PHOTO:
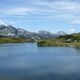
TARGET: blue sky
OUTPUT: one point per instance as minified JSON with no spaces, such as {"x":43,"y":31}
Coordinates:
{"x":35,"y":15}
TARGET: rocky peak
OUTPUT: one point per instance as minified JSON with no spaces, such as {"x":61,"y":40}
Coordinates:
{"x":61,"y":33}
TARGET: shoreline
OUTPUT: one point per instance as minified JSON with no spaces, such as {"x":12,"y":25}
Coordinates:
{"x":14,"y":40}
{"x":53,"y":44}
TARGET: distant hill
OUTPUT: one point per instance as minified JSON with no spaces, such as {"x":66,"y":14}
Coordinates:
{"x":71,"y":40}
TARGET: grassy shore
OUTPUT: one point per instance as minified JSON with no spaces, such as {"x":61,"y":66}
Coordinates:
{"x":45,"y":43}
{"x":66,"y":40}
{"x":14,"y":40}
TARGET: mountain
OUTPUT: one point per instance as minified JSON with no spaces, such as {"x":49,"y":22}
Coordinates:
{"x":44,"y":34}
{"x":21,"y":32}
{"x":47,"y":34}
{"x":10,"y":31}
{"x":60,"y":33}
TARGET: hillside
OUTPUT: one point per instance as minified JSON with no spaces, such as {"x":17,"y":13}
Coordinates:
{"x":72,"y":40}
{"x":14,"y":40}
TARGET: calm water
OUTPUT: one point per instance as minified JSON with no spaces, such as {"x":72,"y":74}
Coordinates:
{"x":26,"y":61}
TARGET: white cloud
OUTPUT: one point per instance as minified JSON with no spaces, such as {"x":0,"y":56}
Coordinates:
{"x":17,"y":11}
{"x":24,"y":11}
{"x":61,"y":5}
{"x":47,"y":7}
{"x":65,"y":10}
{"x":2,"y":23}
{"x":44,"y":7}
{"x":76,"y":21}
{"x":72,"y":30}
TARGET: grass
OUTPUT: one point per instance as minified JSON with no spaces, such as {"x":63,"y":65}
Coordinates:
{"x":45,"y":43}
{"x":66,"y":40}
{"x":14,"y":40}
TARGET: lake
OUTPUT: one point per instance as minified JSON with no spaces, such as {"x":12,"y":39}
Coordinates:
{"x":26,"y":61}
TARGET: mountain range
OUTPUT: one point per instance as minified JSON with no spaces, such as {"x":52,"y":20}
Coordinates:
{"x":10,"y":31}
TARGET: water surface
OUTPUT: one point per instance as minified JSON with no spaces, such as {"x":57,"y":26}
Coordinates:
{"x":26,"y":61}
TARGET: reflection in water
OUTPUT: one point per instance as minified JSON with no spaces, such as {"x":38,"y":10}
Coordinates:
{"x":29,"y":62}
